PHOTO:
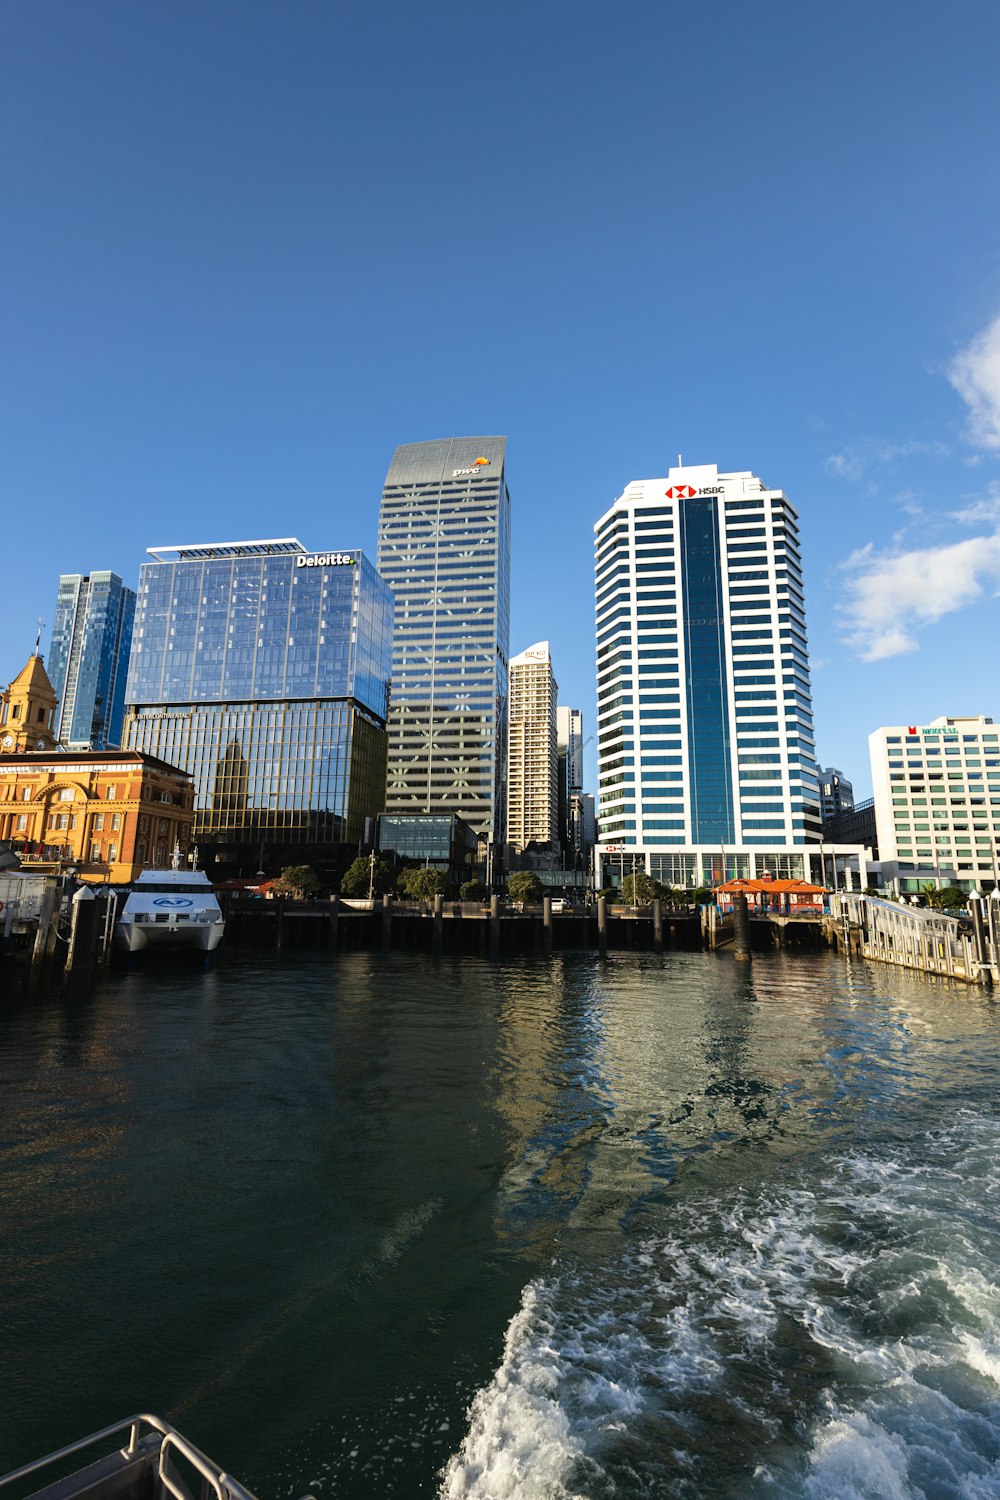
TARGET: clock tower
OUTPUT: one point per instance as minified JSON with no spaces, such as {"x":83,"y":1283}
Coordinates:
{"x":27,"y":711}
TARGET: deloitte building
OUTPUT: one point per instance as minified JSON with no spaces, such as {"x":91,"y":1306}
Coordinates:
{"x":706,"y":758}
{"x":263,"y":669}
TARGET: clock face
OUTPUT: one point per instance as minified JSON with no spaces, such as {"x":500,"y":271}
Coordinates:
{"x":39,"y":744}
{"x":8,"y":740}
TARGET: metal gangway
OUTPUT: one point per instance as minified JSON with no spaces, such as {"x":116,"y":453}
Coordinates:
{"x":926,"y":940}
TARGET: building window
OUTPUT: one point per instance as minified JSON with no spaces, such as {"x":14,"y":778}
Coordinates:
{"x":66,"y":794}
{"x":98,"y":820}
{"x":112,"y":793}
{"x":95,"y":853}
{"x":112,"y":853}
{"x":26,"y":794}
{"x":22,"y":822}
{"x":116,"y":821}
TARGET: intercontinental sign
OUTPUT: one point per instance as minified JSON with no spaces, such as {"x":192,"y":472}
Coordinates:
{"x":325,"y":560}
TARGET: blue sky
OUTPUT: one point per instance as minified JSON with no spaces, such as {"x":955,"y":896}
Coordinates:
{"x":248,"y":248}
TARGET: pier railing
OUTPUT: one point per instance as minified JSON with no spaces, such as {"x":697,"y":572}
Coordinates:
{"x":917,"y":938}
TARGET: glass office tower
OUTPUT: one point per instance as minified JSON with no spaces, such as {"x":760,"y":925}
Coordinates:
{"x":88,"y":659}
{"x":444,"y":550}
{"x":263,"y":670}
{"x":706,"y":756}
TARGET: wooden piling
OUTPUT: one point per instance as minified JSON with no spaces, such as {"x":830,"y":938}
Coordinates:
{"x":85,"y":926}
{"x":547,"y":923}
{"x":602,"y":924}
{"x":741,"y":927}
{"x":658,"y":925}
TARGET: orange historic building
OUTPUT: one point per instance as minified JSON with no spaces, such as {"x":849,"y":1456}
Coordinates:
{"x":108,"y":813}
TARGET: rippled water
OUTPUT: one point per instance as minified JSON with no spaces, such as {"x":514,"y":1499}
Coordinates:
{"x":373,"y":1225}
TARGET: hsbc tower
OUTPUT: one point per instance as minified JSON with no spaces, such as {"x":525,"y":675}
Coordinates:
{"x":706,"y":758}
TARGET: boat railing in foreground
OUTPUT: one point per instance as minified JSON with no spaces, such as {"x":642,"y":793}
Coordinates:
{"x":154,"y":1463}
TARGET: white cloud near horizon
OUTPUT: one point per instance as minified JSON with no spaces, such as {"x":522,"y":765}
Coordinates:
{"x":975,"y":374}
{"x":891,"y":596}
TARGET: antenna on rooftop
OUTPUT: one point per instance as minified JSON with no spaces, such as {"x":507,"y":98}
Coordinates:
{"x":38,"y":637}
{"x":680,"y":460}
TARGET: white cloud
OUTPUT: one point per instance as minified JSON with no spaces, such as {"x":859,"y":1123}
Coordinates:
{"x":890,"y":596}
{"x":983,"y":508}
{"x":869,"y":453}
{"x":975,"y":374}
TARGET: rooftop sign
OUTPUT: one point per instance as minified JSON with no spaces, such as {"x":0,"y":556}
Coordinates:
{"x":325,"y":560}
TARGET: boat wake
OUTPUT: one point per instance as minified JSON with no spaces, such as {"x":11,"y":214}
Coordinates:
{"x":833,"y":1342}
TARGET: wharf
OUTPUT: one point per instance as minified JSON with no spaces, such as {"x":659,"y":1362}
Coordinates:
{"x":454,"y":926}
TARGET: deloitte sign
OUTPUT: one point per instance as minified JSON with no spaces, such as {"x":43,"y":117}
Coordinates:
{"x":326,"y":560}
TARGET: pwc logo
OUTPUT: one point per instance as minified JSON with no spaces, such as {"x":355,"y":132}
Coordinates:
{"x":680,"y":492}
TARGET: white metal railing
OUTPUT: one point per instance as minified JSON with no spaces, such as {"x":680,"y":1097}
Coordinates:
{"x":223,"y":1485}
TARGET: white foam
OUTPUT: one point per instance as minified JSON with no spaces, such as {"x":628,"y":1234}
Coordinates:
{"x":518,"y":1433}
{"x":883,"y":1278}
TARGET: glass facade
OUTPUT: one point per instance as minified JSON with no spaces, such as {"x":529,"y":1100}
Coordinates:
{"x":444,"y":549}
{"x":445,"y":843}
{"x":710,"y":785}
{"x":263,"y":670}
{"x":88,"y":658}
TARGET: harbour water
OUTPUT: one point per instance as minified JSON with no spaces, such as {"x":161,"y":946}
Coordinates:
{"x":374,"y":1225}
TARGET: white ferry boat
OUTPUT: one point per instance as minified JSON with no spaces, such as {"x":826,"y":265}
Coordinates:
{"x":170,"y":909}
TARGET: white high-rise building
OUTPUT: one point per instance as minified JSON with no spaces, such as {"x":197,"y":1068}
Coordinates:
{"x":937,"y":803}
{"x":532,"y":783}
{"x":706,"y":757}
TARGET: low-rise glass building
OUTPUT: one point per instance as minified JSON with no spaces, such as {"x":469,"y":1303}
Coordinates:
{"x":263,"y":670}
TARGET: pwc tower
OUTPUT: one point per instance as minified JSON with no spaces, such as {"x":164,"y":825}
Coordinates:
{"x":444,"y":550}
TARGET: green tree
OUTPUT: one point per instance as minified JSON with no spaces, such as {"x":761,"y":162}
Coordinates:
{"x":524,"y":885}
{"x":418,"y":884}
{"x":472,"y":890}
{"x":357,"y":878}
{"x":950,"y":896}
{"x":639,"y":888}
{"x":298,"y":883}
{"x":702,"y":896}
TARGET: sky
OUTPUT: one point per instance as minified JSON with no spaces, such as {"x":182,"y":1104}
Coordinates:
{"x":246,"y":248}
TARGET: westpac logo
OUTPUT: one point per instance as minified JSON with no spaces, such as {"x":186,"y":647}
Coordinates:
{"x":325,"y":560}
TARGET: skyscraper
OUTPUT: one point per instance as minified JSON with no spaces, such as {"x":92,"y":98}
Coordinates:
{"x":532,"y":781}
{"x":569,"y":750}
{"x":263,"y":670}
{"x":444,"y":550}
{"x":88,"y":658}
{"x":705,"y":741}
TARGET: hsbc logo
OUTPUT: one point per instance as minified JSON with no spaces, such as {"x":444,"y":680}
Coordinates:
{"x":685,"y":491}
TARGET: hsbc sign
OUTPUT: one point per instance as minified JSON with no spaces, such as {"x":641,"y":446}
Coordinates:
{"x":686,"y":492}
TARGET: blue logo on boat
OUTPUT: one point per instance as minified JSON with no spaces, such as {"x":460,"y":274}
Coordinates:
{"x":173,"y":901}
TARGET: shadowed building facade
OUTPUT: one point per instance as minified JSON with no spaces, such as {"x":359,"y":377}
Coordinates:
{"x":263,"y":670}
{"x":444,"y":550}
{"x":88,"y":659}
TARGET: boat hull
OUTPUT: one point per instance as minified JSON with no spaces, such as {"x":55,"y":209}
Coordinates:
{"x":168,"y":937}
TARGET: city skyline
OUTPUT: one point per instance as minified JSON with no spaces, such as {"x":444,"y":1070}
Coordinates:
{"x":205,"y":314}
